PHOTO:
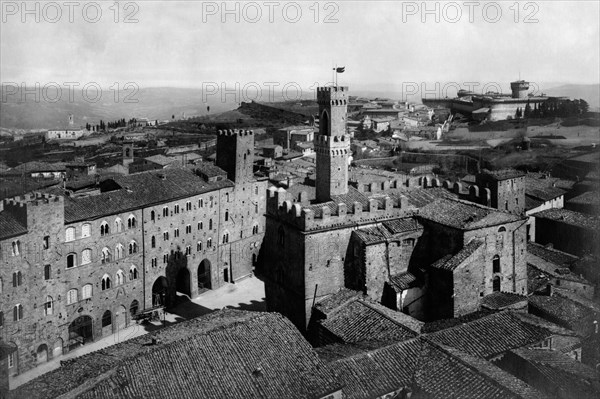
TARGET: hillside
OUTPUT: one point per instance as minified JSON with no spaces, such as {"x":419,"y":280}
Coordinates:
{"x":590,"y":93}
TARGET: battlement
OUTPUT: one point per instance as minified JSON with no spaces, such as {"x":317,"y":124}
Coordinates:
{"x":332,"y":95}
{"x":332,"y":215}
{"x":322,"y":139}
{"x":235,"y":132}
{"x":23,"y":207}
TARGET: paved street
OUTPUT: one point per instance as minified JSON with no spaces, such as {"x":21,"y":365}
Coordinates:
{"x":248,"y":294}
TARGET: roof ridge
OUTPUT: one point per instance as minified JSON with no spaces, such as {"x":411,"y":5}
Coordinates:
{"x":370,"y":306}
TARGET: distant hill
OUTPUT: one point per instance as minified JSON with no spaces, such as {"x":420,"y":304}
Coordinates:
{"x":590,"y":93}
{"x":152,"y":103}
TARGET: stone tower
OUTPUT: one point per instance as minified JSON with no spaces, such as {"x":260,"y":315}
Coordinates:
{"x":331,"y":143}
{"x":127,"y":153}
{"x":235,"y":154}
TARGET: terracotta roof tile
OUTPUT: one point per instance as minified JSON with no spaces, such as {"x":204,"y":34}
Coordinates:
{"x":465,"y":215}
{"x":492,"y":335}
{"x":9,"y":226}
{"x":502,"y":300}
{"x":570,"y":217}
{"x":452,"y":262}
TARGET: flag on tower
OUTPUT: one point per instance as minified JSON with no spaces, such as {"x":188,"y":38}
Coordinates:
{"x":340,"y":69}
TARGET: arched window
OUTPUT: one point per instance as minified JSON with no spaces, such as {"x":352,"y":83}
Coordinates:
{"x":69,"y":234}
{"x":225,"y":238}
{"x":17,"y":279}
{"x":502,"y":229}
{"x":165,"y":211}
{"x":131,"y":223}
{"x":118,"y":225}
{"x":133,"y":308}
{"x":119,"y":252}
{"x":152,"y":215}
{"x":496,"y":264}
{"x":71,"y":260}
{"x":16,"y":247}
{"x":86,"y":291}
{"x":120,"y":278}
{"x":199,"y":246}
{"x":176,"y":208}
{"x":201,"y":203}
{"x":188,"y":206}
{"x":153,"y":242}
{"x":86,"y":256}
{"x":106,"y":283}
{"x":200,"y":225}
{"x":18,"y":312}
{"x":133,"y":247}
{"x":105,"y":256}
{"x":209,"y":243}
{"x":133,"y":273}
{"x":106,"y":319}
{"x":48,"y":306}
{"x":104,"y":228}
{"x":71,"y":296}
{"x":86,"y":230}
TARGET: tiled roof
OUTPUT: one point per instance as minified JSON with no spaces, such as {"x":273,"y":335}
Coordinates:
{"x":465,"y":215}
{"x":571,"y":314}
{"x":504,"y":174}
{"x":138,"y":190}
{"x":452,"y":262}
{"x":37,"y":166}
{"x":551,"y":255}
{"x":501,"y":300}
{"x":403,"y":281}
{"x":9,"y":226}
{"x":492,"y":335}
{"x":544,"y":194}
{"x":360,"y":320}
{"x":209,"y":169}
{"x":561,"y":371}
{"x":532,"y":203}
{"x":228,"y":354}
{"x":570,"y":217}
{"x":587,"y":198}
{"x":555,"y":270}
{"x":404,"y":225}
{"x":422,"y":197}
{"x":434,"y":371}
{"x":161,"y":159}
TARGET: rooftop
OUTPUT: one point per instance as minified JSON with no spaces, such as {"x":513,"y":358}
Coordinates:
{"x":493,"y":335}
{"x":234,"y":354}
{"x":502,"y":300}
{"x":140,"y":190}
{"x":570,"y":217}
{"x":571,"y":314}
{"x":433,"y":370}
{"x":465,"y":215}
{"x":450,"y":262}
{"x":587,"y":198}
{"x":504,"y":174}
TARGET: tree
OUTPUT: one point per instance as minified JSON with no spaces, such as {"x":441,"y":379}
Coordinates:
{"x":527,"y":112}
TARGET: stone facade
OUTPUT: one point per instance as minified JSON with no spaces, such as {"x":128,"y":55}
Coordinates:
{"x":332,"y":144}
{"x":73,"y":272}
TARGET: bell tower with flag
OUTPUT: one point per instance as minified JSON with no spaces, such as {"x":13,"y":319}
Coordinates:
{"x":332,"y":145}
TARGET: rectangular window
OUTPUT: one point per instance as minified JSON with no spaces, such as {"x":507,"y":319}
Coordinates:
{"x":165,"y":259}
{"x":86,"y":292}
{"x":47,"y":272}
{"x":188,"y":206}
{"x":188,"y":229}
{"x":48,"y":308}
{"x":166,"y":236}
{"x":176,"y":233}
{"x":188,"y":250}
{"x":177,"y":208}
{"x":86,"y":230}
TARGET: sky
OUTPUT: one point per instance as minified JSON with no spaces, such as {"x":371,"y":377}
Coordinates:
{"x":272,"y":44}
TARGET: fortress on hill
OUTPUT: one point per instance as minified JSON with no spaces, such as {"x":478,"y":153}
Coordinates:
{"x":413,"y":247}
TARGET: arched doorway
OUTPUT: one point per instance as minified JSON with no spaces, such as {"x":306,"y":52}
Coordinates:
{"x":41,"y":355}
{"x":58,"y":348}
{"x":107,"y":323}
{"x":204,"y":276}
{"x":80,"y":331}
{"x":496,"y":284}
{"x":159,"y":291}
{"x":122,"y":317}
{"x":183,"y":282}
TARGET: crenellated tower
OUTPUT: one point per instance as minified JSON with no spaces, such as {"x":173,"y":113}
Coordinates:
{"x":235,"y":154}
{"x":332,"y":145}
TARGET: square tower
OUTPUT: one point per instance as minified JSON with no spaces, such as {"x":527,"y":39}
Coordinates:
{"x":235,"y":154}
{"x":332,"y":145}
